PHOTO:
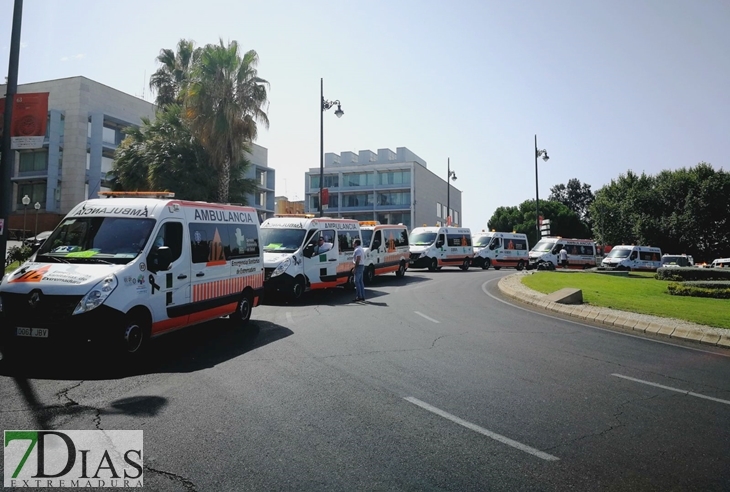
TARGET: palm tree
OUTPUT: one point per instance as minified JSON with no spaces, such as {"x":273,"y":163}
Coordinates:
{"x":169,"y":80}
{"x":224,"y":100}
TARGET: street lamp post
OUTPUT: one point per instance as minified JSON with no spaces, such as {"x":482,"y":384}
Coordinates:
{"x":325,"y":105}
{"x":450,"y":175}
{"x":37,"y":208}
{"x":26,"y":202}
{"x":538,"y":153}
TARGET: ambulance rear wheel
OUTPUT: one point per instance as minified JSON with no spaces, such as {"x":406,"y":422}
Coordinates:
{"x":369,"y":274}
{"x":401,"y":270}
{"x":520,"y":265}
{"x":243,"y":310}
{"x":486,"y":264}
{"x":434,"y":265}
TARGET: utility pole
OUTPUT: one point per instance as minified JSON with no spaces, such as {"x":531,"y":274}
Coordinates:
{"x":8,"y":155}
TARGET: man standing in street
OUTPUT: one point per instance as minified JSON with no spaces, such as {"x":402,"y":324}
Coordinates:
{"x":359,"y":260}
{"x":563,"y":258}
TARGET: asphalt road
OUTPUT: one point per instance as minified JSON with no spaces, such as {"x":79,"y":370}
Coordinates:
{"x":437,"y":383}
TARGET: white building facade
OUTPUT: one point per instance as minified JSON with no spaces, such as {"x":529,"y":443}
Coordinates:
{"x":385,"y":186}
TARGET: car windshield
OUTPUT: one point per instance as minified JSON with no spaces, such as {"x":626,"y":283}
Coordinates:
{"x":277,"y":240}
{"x":114,"y":240}
{"x":482,"y":241}
{"x":543,"y":246}
{"x":423,"y":238}
{"x":675,"y":260}
{"x":619,"y":253}
{"x":367,"y":235}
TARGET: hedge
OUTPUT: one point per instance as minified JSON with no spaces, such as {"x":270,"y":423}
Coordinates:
{"x":687,"y":274}
{"x":19,"y":254}
{"x":682,"y":289}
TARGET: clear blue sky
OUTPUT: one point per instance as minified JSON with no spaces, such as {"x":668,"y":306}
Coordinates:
{"x":607,"y":86}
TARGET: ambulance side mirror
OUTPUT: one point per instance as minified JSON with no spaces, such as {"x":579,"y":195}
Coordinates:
{"x":439,"y":243}
{"x":308,"y":250}
{"x":376,"y":244}
{"x":159,"y":259}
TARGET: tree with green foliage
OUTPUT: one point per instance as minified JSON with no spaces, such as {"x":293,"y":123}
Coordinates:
{"x":563,"y":221}
{"x":576,"y":196}
{"x":170,"y":80}
{"x":163,"y":155}
{"x":224,"y":100}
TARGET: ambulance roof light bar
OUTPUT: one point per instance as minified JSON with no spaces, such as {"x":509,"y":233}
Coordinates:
{"x":306,"y":216}
{"x":369,"y":222}
{"x":137,"y":194}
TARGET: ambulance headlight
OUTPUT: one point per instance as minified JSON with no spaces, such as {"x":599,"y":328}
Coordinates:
{"x":281,"y":268}
{"x":96,"y":296}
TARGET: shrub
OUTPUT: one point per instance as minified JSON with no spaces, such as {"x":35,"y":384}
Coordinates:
{"x":682,"y":289}
{"x":709,"y":284}
{"x":19,"y":254}
{"x":686,"y":274}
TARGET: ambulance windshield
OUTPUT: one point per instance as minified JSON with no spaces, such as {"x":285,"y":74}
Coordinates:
{"x":619,"y":253}
{"x":276,"y":240}
{"x":543,"y":246}
{"x":422,"y":239}
{"x":482,"y":241}
{"x":115,"y":240}
{"x":367,"y":235}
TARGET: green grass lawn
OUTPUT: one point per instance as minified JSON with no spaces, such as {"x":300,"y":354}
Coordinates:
{"x":638,"y":293}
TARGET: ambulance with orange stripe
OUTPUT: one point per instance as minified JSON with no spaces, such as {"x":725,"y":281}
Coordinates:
{"x":501,"y":249}
{"x":436,"y":247}
{"x":386,"y":249}
{"x":303,"y":252}
{"x":134,"y":266}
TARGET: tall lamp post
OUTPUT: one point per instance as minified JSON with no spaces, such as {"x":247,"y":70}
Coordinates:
{"x":37,"y":208}
{"x":538,"y":153}
{"x":338,"y":112}
{"x":26,"y":202}
{"x":450,"y":175}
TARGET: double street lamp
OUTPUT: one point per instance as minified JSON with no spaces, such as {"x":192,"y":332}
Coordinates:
{"x":26,"y":202}
{"x":338,"y":112}
{"x":37,"y":208}
{"x":450,"y":175}
{"x":538,"y":153}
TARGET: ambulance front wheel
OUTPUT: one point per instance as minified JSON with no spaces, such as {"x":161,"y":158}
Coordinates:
{"x":486,"y":264}
{"x":401,"y":270}
{"x":520,"y":265}
{"x":243,"y":310}
{"x":434,"y":265}
{"x":297,"y":289}
{"x":465,"y":265}
{"x":135,"y":334}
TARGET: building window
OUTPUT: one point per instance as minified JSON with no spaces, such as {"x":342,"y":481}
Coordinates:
{"x":330,"y":181}
{"x":358,"y":200}
{"x":36,"y":192}
{"x":403,"y":199}
{"x":395,"y":178}
{"x":33,"y":161}
{"x":358,"y":179}
{"x":438,"y":210}
{"x":261,"y":178}
{"x":456,"y":217}
{"x":109,"y":135}
{"x":106,"y":164}
{"x":261,"y":199}
{"x":314,"y":202}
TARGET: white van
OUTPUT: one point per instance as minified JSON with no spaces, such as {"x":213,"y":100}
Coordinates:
{"x":629,"y":257}
{"x":500,"y":249}
{"x":435,"y":247}
{"x":581,"y":253}
{"x":677,"y":261}
{"x":720,"y":263}
{"x":386,"y":249}
{"x":125,"y":269}
{"x":303,"y":252}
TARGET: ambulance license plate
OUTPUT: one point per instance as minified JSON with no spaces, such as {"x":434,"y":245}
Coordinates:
{"x":32,"y":332}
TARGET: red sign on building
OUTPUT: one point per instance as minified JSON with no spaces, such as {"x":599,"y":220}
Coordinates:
{"x":29,"y":121}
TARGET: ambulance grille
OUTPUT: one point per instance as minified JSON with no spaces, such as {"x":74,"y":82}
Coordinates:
{"x":415,"y":256}
{"x":48,"y":310}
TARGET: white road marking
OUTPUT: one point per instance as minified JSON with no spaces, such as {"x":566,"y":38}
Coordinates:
{"x":289,"y":318}
{"x":481,"y":430}
{"x":427,"y":317}
{"x":688,"y":393}
{"x":607,"y":330}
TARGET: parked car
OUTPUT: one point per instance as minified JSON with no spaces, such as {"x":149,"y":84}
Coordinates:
{"x":36,"y":241}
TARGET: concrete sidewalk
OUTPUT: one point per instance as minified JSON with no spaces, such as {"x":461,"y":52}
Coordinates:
{"x":512,"y":286}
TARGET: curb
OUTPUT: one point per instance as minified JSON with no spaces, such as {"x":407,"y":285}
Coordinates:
{"x":512,"y":286}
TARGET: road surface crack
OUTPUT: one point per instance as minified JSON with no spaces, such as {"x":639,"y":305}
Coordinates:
{"x":188,"y":484}
{"x":63,"y":395}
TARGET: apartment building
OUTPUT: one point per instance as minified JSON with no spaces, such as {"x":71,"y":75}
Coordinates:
{"x":86,"y":121}
{"x":390,"y":187}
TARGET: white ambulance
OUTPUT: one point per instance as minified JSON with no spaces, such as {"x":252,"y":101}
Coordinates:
{"x":500,"y":249}
{"x":303,"y":252}
{"x":436,"y":247}
{"x":546,"y":253}
{"x":130,"y":267}
{"x":386,"y":249}
{"x":630,"y":257}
